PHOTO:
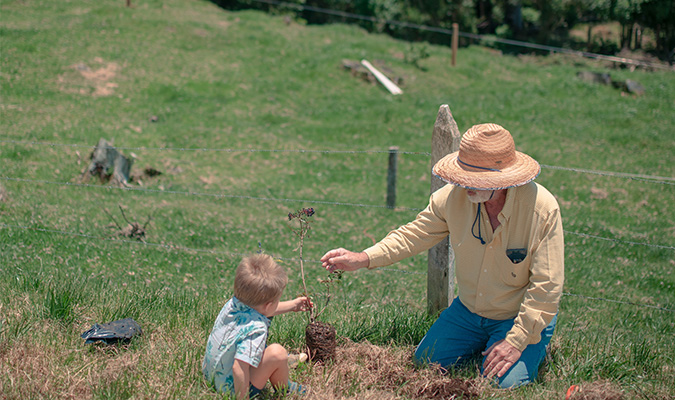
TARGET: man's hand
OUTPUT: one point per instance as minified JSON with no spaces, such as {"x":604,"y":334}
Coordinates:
{"x":345,"y":260}
{"x":500,"y":357}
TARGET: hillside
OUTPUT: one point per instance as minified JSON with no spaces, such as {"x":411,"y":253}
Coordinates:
{"x":249,"y":116}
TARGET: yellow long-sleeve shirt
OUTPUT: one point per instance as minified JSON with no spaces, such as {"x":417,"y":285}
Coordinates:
{"x":488,"y":282}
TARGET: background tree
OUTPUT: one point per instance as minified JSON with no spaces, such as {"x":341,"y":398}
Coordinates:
{"x":539,"y":21}
{"x":659,"y":15}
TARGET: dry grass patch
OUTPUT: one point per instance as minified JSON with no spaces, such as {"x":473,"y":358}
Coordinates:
{"x":159,"y":365}
{"x":364,"y":371}
{"x":32,"y":370}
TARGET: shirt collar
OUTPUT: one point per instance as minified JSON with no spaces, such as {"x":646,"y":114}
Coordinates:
{"x":239,"y":306}
{"x":507,"y":210}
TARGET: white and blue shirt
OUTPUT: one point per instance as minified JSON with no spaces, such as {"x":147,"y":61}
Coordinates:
{"x":240,"y":333}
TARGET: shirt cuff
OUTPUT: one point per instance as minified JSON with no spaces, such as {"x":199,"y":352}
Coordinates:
{"x":518,"y":338}
{"x":373,"y":254}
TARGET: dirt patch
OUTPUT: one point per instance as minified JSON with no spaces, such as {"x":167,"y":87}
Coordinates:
{"x":599,"y":194}
{"x":92,"y":79}
{"x":364,"y":371}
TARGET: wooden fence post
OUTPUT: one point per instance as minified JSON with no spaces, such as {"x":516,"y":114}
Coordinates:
{"x":441,"y":268}
{"x":455,"y":42}
{"x":391,"y":177}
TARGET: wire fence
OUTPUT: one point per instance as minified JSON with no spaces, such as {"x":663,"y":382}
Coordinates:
{"x":172,"y":247}
{"x":473,"y":36}
{"x":287,"y":200}
{"x":663,"y":180}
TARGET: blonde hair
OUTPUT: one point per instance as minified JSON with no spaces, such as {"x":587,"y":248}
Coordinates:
{"x":259,"y":280}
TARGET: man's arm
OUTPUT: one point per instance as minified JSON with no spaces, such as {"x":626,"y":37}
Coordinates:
{"x":241,"y":372}
{"x":428,"y":228}
{"x":540,"y":303}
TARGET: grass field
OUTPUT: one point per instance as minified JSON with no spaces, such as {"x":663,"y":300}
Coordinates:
{"x":236,"y":95}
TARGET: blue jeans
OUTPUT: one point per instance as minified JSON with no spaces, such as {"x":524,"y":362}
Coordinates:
{"x":458,"y":335}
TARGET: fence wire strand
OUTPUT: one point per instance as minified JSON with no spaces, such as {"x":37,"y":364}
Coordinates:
{"x":658,"y":246}
{"x":172,"y":247}
{"x":216,"y":195}
{"x":664,"y":180}
{"x":619,"y":302}
{"x":305,"y":201}
{"x":219,"y":150}
{"x":445,"y":31}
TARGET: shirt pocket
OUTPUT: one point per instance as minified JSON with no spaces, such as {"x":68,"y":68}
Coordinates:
{"x":515,"y":274}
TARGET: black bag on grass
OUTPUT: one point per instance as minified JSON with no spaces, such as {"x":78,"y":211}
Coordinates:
{"x":112,"y":332}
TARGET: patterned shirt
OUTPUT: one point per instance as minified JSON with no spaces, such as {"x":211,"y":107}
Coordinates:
{"x":518,"y":272}
{"x":240,"y":333}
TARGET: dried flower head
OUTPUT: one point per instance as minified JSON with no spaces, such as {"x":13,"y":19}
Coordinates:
{"x":301,"y":214}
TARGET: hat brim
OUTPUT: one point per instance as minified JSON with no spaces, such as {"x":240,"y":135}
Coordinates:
{"x":524,"y":170}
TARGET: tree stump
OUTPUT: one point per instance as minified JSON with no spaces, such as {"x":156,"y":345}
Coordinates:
{"x":321,"y":341}
{"x":108,"y":164}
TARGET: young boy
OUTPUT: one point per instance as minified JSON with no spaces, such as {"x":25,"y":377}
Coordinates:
{"x":237,"y":359}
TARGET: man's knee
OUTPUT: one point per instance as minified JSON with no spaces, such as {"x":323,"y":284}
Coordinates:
{"x":421,"y":357}
{"x":517,"y":376}
{"x":512,"y":382}
{"x":426,"y":354}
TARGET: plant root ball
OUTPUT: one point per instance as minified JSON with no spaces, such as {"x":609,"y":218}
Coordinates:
{"x":321,"y":341}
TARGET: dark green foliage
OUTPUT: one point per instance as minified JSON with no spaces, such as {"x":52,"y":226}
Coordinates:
{"x":542,"y":22}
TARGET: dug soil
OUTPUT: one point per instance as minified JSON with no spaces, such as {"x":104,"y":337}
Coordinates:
{"x":365,"y":371}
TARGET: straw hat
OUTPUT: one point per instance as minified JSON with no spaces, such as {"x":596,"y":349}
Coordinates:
{"x":487,"y":160}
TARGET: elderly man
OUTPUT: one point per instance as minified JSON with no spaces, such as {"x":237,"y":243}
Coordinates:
{"x":506,"y":233}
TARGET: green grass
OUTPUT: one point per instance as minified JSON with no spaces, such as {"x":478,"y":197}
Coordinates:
{"x":74,"y":72}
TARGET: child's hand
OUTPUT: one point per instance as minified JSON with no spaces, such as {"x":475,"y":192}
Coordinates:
{"x":302,"y":303}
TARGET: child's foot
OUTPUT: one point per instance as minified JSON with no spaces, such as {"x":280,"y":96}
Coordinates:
{"x":295,"y":359}
{"x":295,"y":388}
{"x":292,"y":388}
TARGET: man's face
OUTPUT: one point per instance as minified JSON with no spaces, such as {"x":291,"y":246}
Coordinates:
{"x":478,"y":196}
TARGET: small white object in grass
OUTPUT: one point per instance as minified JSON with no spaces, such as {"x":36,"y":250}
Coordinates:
{"x":393,"y":89}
